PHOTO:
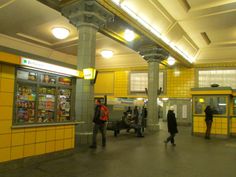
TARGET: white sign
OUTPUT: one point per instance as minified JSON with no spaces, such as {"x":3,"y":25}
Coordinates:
{"x":184,"y":111}
{"x":49,"y":67}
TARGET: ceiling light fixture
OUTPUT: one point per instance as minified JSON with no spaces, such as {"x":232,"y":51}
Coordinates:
{"x":107,"y":54}
{"x":154,"y":30}
{"x":170,"y":61}
{"x":60,"y":32}
{"x":129,"y":35}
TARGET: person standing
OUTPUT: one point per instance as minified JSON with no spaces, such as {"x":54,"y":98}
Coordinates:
{"x":208,"y":120}
{"x":99,"y":124}
{"x":172,"y":126}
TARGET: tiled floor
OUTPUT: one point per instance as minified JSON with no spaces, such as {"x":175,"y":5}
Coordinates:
{"x":129,"y":156}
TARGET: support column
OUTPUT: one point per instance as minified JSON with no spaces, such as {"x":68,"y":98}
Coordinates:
{"x":88,"y":16}
{"x":153,"y":55}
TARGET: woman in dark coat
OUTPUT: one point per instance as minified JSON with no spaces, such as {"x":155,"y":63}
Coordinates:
{"x":172,"y":126}
{"x":208,"y":120}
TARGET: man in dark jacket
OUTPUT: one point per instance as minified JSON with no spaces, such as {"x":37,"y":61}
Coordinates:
{"x":172,"y":126}
{"x":208,"y":120}
{"x":98,"y":125}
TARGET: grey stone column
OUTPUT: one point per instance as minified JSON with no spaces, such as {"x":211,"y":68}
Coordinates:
{"x":153,"y":55}
{"x":88,"y":16}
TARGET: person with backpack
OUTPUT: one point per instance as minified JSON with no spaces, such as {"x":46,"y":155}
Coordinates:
{"x":101,"y":116}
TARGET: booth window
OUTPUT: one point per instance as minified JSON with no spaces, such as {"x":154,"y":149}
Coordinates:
{"x":139,"y":81}
{"x":218,"y":103}
{"x":42,"y":98}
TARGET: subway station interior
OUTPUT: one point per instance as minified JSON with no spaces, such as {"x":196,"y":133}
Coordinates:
{"x":58,"y":56}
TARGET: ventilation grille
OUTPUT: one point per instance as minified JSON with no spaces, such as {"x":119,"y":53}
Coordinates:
{"x":206,"y":38}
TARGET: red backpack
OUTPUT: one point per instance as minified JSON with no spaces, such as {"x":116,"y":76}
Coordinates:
{"x":104,"y":113}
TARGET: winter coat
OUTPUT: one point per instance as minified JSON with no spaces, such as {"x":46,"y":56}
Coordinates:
{"x":97,"y":113}
{"x":171,"y":122}
{"x":208,"y":114}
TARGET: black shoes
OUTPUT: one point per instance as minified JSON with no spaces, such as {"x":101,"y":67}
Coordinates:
{"x":173,"y":144}
{"x":93,"y":146}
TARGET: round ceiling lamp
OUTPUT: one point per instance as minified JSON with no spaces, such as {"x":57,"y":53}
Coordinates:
{"x":107,"y":54}
{"x":170,"y":61}
{"x":129,"y":35}
{"x":60,"y":32}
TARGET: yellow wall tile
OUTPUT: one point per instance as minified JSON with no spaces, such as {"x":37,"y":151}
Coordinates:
{"x":5,"y":140}
{"x":59,"y":145}
{"x":30,"y":137}
{"x":41,"y":128}
{"x":6,"y":99}
{"x":233,"y":130}
{"x":51,"y":135}
{"x":16,"y":152}
{"x":17,"y":139}
{"x":5,"y":126}
{"x":50,"y":146}
{"x":73,"y":143}
{"x":68,"y":133}
{"x":179,"y":85}
{"x":8,"y":71}
{"x":40,"y":136}
{"x":59,"y":134}
{"x":6,"y":113}
{"x":30,"y":129}
{"x":40,"y":148}
{"x":18,"y":130}
{"x":7,"y":85}
{"x":9,"y":58}
{"x":68,"y":144}
{"x":51,"y":128}
{"x":29,"y":150}
{"x":5,"y":154}
{"x":102,"y":87}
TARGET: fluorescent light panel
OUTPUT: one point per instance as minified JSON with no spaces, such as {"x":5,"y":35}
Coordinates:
{"x":49,"y":67}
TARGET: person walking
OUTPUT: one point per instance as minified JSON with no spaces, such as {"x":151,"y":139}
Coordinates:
{"x":208,"y":120}
{"x":172,"y":126}
{"x":100,"y":118}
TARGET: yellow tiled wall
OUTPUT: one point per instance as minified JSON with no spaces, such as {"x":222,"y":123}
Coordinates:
{"x":121,"y":83}
{"x":179,"y":82}
{"x":233,"y":125}
{"x":219,"y":125}
{"x":104,"y":83}
{"x":25,"y":142}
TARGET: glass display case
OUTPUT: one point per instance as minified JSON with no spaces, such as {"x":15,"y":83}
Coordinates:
{"x":43,"y":97}
{"x":25,"y":103}
{"x":46,"y":104}
{"x":63,"y":104}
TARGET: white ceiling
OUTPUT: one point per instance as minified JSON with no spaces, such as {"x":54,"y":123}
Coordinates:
{"x":26,"y":24}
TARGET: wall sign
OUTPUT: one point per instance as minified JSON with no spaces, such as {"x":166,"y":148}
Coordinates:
{"x":50,"y":67}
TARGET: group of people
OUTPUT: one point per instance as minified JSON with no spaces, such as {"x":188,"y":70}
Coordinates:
{"x":137,"y":123}
{"x":135,"y":119}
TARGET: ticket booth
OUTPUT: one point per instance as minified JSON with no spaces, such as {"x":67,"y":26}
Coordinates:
{"x":220,"y":99}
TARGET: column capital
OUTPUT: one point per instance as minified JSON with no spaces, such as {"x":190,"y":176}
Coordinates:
{"x":87,"y":12}
{"x":153,"y":53}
